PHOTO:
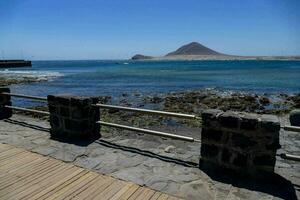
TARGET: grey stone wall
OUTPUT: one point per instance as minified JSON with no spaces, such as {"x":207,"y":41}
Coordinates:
{"x":243,"y":142}
{"x":295,"y":117}
{"x":5,"y":100}
{"x":73,"y":117}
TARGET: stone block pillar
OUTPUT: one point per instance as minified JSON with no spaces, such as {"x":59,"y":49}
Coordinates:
{"x":295,"y":117}
{"x":5,"y":100}
{"x":245,"y":143}
{"x":73,"y":117}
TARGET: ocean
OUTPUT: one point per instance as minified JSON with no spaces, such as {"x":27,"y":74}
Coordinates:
{"x":115,"y":77}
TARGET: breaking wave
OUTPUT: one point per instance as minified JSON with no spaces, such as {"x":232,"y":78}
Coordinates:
{"x":38,"y":75}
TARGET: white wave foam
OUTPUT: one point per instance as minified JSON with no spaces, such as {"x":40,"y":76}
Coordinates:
{"x":39,"y":75}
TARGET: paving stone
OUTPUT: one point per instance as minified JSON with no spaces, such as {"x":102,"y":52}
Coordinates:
{"x":44,"y":150}
{"x":134,"y":174}
{"x":87,"y":162}
{"x":64,"y":155}
{"x":126,"y":162}
{"x":95,"y":152}
{"x":41,"y":141}
{"x":197,"y":190}
{"x":160,"y":186}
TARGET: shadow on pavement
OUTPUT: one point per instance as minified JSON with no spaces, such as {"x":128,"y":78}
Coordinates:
{"x":272,"y":184}
{"x":36,"y":127}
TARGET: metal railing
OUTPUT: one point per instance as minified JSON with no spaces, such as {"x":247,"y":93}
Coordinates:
{"x":35,"y":98}
{"x":289,"y":157}
{"x":151,"y":132}
{"x":146,"y":111}
{"x":291,"y":128}
{"x":43,"y":99}
{"x":151,"y":112}
{"x":28,"y":110}
{"x":285,"y":155}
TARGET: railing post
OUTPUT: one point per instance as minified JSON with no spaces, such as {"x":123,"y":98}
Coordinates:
{"x":5,"y":100}
{"x":73,"y":117}
{"x":244,"y":143}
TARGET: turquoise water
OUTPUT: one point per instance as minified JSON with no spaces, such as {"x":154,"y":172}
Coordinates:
{"x":116,"y":77}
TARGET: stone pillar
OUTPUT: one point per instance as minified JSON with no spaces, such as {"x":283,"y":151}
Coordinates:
{"x":73,"y":117}
{"x":5,"y":100}
{"x":245,"y":143}
{"x":295,"y":117}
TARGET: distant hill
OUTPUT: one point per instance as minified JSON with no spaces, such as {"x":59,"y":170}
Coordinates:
{"x":140,"y":57}
{"x":193,"y":48}
{"x":196,"y":51}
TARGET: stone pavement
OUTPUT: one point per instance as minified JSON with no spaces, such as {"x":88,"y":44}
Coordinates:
{"x":165,"y":165}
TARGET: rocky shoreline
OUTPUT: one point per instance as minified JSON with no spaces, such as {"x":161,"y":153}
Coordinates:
{"x":6,"y":81}
{"x":191,"y":102}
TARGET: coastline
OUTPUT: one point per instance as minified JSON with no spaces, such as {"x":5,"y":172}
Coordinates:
{"x":191,"y":102}
{"x":8,"y":77}
{"x":221,"y":58}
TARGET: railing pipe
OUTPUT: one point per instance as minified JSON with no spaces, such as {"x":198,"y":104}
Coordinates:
{"x":291,"y":128}
{"x":28,"y":110}
{"x":150,"y":132}
{"x":156,"y":112}
{"x":25,"y":96}
{"x":289,"y":157}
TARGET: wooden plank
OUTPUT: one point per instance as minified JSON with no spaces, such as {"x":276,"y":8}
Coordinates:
{"x":26,"y":183}
{"x":37,"y":187}
{"x":125,"y":192}
{"x":145,"y":195}
{"x":5,"y":147}
{"x":83,"y":188}
{"x":155,"y":196}
{"x":66,"y":191}
{"x":29,"y":176}
{"x":26,"y":168}
{"x":30,"y":170}
{"x":26,"y":162}
{"x":163,"y":197}
{"x":15,"y":160}
{"x":9,"y":153}
{"x":25,"y":173}
{"x":36,"y":173}
{"x":136,"y":193}
{"x":10,"y":150}
{"x":111,"y":190}
{"x":60,"y":185}
{"x":84,"y":192}
{"x":19,"y":190}
{"x":98,"y":187}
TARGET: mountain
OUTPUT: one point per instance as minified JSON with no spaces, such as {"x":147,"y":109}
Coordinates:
{"x":140,"y":57}
{"x":194,"y":48}
{"x":196,"y":51}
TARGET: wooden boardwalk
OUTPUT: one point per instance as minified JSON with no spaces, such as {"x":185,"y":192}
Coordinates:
{"x":27,"y":175}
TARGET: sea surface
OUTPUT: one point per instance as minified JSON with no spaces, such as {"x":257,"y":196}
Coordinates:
{"x":115,"y":77}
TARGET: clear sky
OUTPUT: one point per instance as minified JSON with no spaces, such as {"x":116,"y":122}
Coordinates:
{"x":113,"y":29}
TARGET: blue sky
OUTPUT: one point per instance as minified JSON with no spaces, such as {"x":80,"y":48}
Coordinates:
{"x":113,"y":29}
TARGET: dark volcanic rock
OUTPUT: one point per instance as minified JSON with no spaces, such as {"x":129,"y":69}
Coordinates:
{"x":193,"y":48}
{"x":264,"y":100}
{"x":140,"y":57}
